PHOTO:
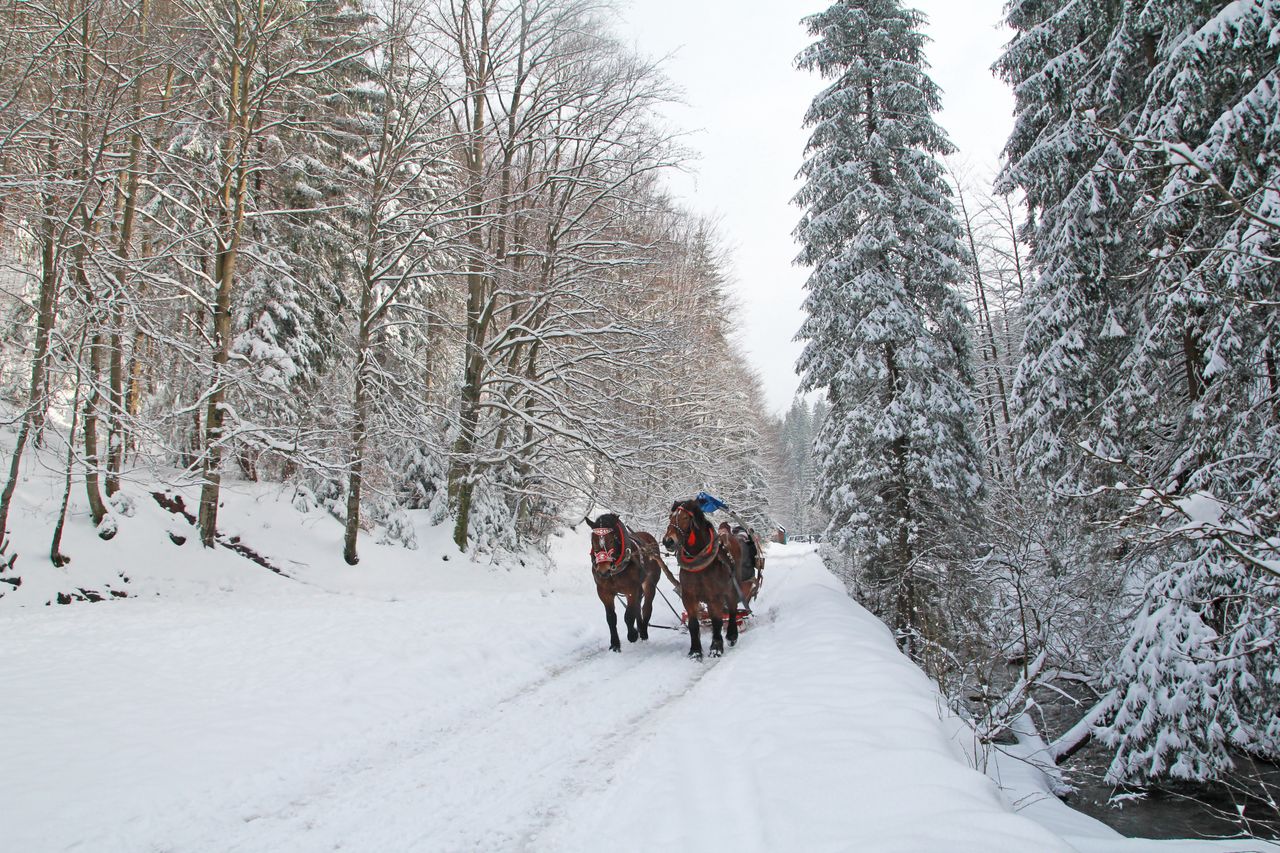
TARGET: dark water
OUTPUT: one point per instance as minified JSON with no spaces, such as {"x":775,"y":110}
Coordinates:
{"x":1200,"y":811}
{"x":1245,"y":806}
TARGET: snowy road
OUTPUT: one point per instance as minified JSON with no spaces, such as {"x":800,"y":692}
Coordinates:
{"x":468,"y":708}
{"x":491,"y":781}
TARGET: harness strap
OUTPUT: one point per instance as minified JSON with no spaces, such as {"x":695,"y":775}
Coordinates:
{"x":623,"y":560}
{"x":698,"y":562}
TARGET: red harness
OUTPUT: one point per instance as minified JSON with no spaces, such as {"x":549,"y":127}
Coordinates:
{"x":603,"y":558}
{"x":697,"y":562}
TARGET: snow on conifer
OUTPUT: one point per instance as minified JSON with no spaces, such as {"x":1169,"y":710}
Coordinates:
{"x":1146,"y":145}
{"x":886,"y":333}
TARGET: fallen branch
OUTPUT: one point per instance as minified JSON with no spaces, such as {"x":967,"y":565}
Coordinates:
{"x":175,"y":505}
{"x":1074,"y":739}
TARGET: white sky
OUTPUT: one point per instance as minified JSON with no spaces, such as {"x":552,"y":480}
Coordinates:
{"x":744,"y":104}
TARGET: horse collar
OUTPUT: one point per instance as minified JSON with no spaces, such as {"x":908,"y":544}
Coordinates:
{"x":698,"y":562}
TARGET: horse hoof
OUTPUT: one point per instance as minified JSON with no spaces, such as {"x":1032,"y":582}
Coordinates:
{"x":616,"y":649}
{"x":715,"y":653}
{"x":631,"y":638}
{"x":695,"y":655}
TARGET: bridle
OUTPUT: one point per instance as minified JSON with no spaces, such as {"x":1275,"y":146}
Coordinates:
{"x":688,"y":560}
{"x":602,"y":557}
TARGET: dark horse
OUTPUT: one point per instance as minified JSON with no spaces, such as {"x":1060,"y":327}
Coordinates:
{"x":743,"y":557}
{"x":626,"y":562}
{"x":705,"y":574}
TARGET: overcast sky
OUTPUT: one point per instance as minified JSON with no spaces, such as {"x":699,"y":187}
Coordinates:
{"x":744,"y":104}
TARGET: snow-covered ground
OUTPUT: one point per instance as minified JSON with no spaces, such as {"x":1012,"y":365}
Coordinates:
{"x":421,"y":701}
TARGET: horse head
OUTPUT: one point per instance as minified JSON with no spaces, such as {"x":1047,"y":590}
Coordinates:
{"x":683,"y":525}
{"x":608,"y":540}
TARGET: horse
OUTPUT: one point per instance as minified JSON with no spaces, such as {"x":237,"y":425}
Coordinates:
{"x":706,"y":575}
{"x":741,"y":550}
{"x":626,"y":562}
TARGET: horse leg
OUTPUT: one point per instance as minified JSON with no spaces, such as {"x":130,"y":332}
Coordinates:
{"x":731,"y":630}
{"x":632,"y":615}
{"x":691,"y":607}
{"x":646,"y":607}
{"x":717,"y":621}
{"x":611,"y":615}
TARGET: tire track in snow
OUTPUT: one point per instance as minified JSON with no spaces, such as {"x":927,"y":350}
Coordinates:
{"x":492,"y":781}
{"x":642,"y":726}
{"x":591,"y":720}
{"x":266,"y":796}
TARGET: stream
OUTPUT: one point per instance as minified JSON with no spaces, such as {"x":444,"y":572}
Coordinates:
{"x":1244,"y":806}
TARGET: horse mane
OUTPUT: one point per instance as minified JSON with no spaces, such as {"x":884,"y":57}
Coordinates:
{"x":693,"y":508}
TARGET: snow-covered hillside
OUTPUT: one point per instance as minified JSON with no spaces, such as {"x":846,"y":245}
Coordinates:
{"x":422,"y":701}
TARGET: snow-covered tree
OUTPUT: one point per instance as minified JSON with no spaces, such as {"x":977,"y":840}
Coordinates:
{"x":553,"y":122}
{"x":799,"y":428}
{"x":399,"y":261}
{"x":1081,"y":194}
{"x":398,"y":195}
{"x":886,"y":333}
{"x":1200,"y":369}
{"x":990,"y":294}
{"x":1147,"y":149}
{"x":1196,"y":677}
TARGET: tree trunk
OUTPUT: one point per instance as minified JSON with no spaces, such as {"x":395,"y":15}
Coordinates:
{"x":359,"y":425}
{"x":991,"y":353}
{"x":215,"y":414}
{"x":1192,"y":357}
{"x":46,"y":316}
{"x":461,"y":482}
{"x":905,"y":616}
{"x":116,"y":399}
{"x":1273,"y":379}
{"x":56,"y":556}
{"x":234,"y":177}
{"x":92,"y":463}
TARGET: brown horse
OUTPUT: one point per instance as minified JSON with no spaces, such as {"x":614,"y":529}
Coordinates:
{"x":624,"y":562}
{"x":743,"y":557}
{"x":705,"y":575}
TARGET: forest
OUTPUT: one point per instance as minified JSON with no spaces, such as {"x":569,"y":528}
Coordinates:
{"x":419,"y":255}
{"x":1051,"y":458}
{"x":412,"y":257}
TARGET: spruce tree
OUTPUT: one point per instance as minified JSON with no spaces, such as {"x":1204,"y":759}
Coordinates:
{"x":1199,"y":376}
{"x":1081,"y":195}
{"x":797,"y":437}
{"x":886,"y":331}
{"x":1146,"y":145}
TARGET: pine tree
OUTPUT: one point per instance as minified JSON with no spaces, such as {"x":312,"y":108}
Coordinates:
{"x":1197,"y":675}
{"x":886,"y":331}
{"x":799,"y":428}
{"x":1081,"y":194}
{"x":797,"y":436}
{"x":1146,"y":145}
{"x":1211,"y":445}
